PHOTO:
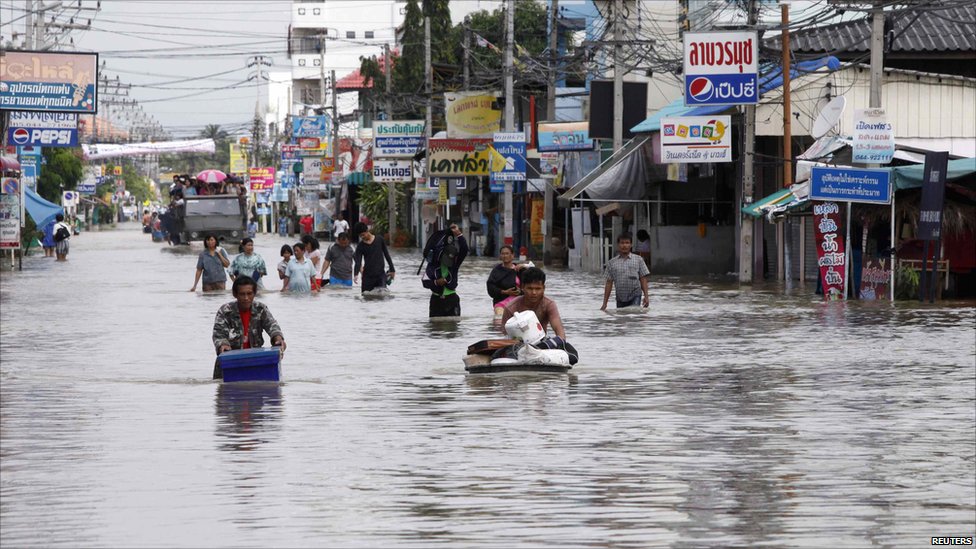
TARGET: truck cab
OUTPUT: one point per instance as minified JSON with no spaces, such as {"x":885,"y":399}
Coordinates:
{"x":222,"y":215}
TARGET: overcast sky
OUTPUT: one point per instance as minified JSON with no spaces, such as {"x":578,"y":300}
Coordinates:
{"x":176,"y":53}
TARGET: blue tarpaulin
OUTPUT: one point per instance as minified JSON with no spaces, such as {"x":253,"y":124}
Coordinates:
{"x":40,"y":210}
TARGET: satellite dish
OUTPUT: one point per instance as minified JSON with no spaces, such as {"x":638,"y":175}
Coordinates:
{"x":828,"y":117}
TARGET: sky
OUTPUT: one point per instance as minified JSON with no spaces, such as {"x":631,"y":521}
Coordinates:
{"x":186,"y":60}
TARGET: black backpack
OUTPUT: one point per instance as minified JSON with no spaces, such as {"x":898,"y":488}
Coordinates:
{"x":439,"y":243}
{"x":61,"y":234}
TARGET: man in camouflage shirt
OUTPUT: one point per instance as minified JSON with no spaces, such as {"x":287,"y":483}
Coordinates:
{"x":239,"y":324}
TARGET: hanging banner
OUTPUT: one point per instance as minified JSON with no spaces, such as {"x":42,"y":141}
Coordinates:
{"x":459,"y":157}
{"x":565,"y":136}
{"x":472,"y":114}
{"x":398,"y":138}
{"x":238,"y":162}
{"x":875,"y":276}
{"x":695,"y":139}
{"x":262,"y":179}
{"x":108,"y":150}
{"x":933,"y":196}
{"x":721,"y":68}
{"x":850,"y":185}
{"x":874,"y":137}
{"x":48,"y":129}
{"x":831,"y":256}
{"x":45,"y":81}
{"x":536,"y":233}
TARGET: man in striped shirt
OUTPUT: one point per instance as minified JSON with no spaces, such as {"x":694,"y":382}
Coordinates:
{"x":629,"y":273}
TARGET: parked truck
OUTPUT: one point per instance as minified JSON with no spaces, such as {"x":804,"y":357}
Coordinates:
{"x":222,"y":215}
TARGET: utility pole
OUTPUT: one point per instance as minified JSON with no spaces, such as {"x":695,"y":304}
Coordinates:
{"x":322,"y":72}
{"x":466,"y":64}
{"x":428,"y":79}
{"x":391,"y":186}
{"x":785,"y":229}
{"x":550,"y":115}
{"x":746,"y":231}
{"x":877,"y":55}
{"x":29,"y":25}
{"x":335,"y":123}
{"x":618,"y":77}
{"x":509,"y":107}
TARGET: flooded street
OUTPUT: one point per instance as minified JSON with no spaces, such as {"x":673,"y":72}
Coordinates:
{"x":721,"y":418}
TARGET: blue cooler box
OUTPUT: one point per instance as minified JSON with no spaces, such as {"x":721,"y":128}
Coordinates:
{"x":251,"y":364}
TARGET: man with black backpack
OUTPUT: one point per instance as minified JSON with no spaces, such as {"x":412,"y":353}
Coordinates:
{"x":441,"y":275}
{"x":62,"y":233}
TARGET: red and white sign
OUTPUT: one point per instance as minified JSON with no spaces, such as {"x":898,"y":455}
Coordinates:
{"x":308,"y":142}
{"x":262,"y":179}
{"x":831,"y":256}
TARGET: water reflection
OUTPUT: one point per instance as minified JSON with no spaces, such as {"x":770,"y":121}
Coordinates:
{"x":248,"y":414}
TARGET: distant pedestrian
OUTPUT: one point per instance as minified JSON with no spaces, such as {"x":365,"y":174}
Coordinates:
{"x":252,"y":228}
{"x":339,"y":258}
{"x":339,"y":226}
{"x":47,"y":241}
{"x":282,"y":226}
{"x":441,"y":277}
{"x":62,"y":234}
{"x":286,"y":253}
{"x":504,"y":284}
{"x":313,"y":253}
{"x":299,"y":272}
{"x":643,"y":247}
{"x":248,"y":263}
{"x":306,"y":224}
{"x":368,"y":259}
{"x":211,"y":265}
{"x":629,"y":273}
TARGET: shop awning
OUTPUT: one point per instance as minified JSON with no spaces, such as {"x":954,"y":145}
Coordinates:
{"x":632,"y":146}
{"x":40,"y":210}
{"x":769,"y":80}
{"x":9,"y":163}
{"x":779,"y":200}
{"x":910,"y":177}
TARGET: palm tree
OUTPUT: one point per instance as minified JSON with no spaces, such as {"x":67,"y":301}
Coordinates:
{"x":221,"y":157}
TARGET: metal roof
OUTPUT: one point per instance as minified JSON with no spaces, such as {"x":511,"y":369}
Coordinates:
{"x":927,"y":30}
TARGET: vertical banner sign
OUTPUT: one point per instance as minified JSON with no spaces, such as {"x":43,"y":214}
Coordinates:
{"x":11,"y":201}
{"x":721,"y":68}
{"x":238,"y":162}
{"x":874,"y":137}
{"x":511,"y":145}
{"x":831,"y":257}
{"x":933,"y":196}
{"x":536,"y":233}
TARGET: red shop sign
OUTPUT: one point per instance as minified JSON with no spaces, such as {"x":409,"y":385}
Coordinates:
{"x":831,"y":255}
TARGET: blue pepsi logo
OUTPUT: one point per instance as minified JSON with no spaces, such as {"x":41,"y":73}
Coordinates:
{"x":701,"y":89}
{"x":20,"y":136}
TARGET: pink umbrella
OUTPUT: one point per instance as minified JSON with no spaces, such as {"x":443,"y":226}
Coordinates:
{"x":211,"y":176}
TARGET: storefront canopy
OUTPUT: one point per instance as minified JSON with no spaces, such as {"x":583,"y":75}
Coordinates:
{"x":910,"y":177}
{"x":40,"y":210}
{"x":769,"y":80}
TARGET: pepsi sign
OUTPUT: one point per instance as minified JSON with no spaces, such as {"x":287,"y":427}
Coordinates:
{"x":721,"y":68}
{"x":43,"y":129}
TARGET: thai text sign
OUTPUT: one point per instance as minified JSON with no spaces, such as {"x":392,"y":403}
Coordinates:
{"x":511,"y":145}
{"x":90,"y":181}
{"x":875,"y":277}
{"x":11,"y":210}
{"x":317,"y":169}
{"x":831,"y":256}
{"x":392,"y":171}
{"x":262,"y":179}
{"x":933,"y":196}
{"x":874,"y":137}
{"x":56,"y":82}
{"x":565,"y":136}
{"x":721,"y":68}
{"x":398,"y":138}
{"x":310,"y":126}
{"x":850,"y":185}
{"x":47,"y":129}
{"x":472,"y":115}
{"x":459,"y":157}
{"x":691,"y":139}
{"x":238,"y":162}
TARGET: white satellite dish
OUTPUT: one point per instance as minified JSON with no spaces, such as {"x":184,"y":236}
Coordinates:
{"x":828,"y":117}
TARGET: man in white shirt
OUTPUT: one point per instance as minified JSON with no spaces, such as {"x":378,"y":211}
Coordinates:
{"x":339,"y":226}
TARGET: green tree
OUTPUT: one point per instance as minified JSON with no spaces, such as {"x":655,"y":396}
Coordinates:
{"x":61,"y":171}
{"x":531,"y":34}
